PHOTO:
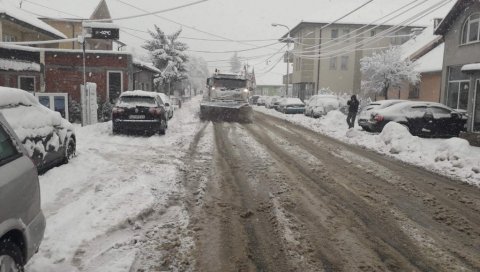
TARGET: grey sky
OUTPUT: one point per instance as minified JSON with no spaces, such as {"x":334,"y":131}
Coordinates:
{"x":239,"y":20}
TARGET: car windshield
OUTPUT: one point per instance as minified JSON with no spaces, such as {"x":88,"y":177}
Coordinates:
{"x":260,"y":135}
{"x":230,"y":83}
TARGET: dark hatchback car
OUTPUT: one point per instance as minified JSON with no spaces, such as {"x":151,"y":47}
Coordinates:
{"x":139,"y":111}
{"x":426,"y":119}
{"x":364,"y":116}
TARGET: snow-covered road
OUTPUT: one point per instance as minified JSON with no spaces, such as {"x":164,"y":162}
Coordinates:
{"x":118,"y":195}
{"x":453,"y":157}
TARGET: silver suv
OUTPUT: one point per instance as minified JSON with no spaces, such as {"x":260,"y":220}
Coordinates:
{"x":22,"y":223}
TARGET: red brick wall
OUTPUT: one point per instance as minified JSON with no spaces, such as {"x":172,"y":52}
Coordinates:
{"x":64,"y":71}
{"x":10,"y":79}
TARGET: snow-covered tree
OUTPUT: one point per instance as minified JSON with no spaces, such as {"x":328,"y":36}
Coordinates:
{"x":197,"y":72}
{"x":168,"y":55}
{"x":235,"y":63}
{"x":385,"y":70}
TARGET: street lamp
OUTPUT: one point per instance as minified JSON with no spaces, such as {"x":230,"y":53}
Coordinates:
{"x":289,"y":39}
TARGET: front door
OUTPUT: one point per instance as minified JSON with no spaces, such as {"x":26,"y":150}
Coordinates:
{"x":476,"y":108}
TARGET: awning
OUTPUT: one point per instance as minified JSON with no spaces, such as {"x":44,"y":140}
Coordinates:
{"x":18,"y":65}
{"x":471,"y":67}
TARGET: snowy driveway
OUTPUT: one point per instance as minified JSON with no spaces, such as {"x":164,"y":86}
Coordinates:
{"x":119,"y":194}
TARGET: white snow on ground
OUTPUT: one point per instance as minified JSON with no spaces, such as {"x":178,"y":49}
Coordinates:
{"x":96,"y":205}
{"x":450,"y":157}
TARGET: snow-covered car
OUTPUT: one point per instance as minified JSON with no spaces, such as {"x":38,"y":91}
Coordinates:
{"x":261,"y":101}
{"x":270,"y":100}
{"x":253,"y":99}
{"x":319,"y":105}
{"x":48,"y":138}
{"x":169,"y":107}
{"x":364,"y":115}
{"x":291,"y":106}
{"x":22,"y":223}
{"x":139,"y":111}
{"x":276,"y":104}
{"x":427,"y":119}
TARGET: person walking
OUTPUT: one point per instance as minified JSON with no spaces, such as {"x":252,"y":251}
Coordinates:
{"x":352,"y":111}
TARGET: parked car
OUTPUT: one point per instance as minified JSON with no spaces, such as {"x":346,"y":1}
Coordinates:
{"x":319,"y":105}
{"x":48,"y":138}
{"x":253,"y":99}
{"x":291,"y":106}
{"x":270,"y":100}
{"x":261,"y":101}
{"x":276,"y":104}
{"x":421,"y":118}
{"x":364,"y":115}
{"x":139,"y":111}
{"x":22,"y":223}
{"x":169,"y":107}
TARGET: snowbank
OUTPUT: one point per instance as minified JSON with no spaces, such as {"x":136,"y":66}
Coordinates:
{"x":453,"y":157}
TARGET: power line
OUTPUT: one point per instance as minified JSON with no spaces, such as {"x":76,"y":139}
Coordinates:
{"x":232,"y":51}
{"x":352,"y":48}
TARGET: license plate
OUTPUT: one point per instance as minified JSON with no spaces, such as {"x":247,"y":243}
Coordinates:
{"x":136,"y":117}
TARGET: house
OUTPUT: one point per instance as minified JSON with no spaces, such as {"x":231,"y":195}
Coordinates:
{"x":17,"y":25}
{"x":327,"y":56}
{"x":143,"y":75}
{"x":461,"y":61}
{"x":72,"y":28}
{"x":426,"y":51}
{"x":270,"y":90}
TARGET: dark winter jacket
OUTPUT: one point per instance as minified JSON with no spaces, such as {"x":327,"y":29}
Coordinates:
{"x":353,"y":104}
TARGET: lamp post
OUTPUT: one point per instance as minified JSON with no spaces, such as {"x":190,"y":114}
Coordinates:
{"x":289,"y":39}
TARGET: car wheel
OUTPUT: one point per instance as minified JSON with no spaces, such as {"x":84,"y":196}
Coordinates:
{"x":11,"y":257}
{"x":70,"y":149}
{"x":163,"y":127}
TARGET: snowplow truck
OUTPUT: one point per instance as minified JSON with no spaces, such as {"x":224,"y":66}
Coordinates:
{"x":227,"y":99}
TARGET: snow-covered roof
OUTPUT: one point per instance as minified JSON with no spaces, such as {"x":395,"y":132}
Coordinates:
{"x":416,"y":44}
{"x":100,"y":25}
{"x":16,"y":65}
{"x":139,"y":93}
{"x":21,"y":15}
{"x":146,"y":65}
{"x":432,"y":61}
{"x":471,"y":67}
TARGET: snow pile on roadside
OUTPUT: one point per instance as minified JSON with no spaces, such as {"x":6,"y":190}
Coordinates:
{"x":450,"y":157}
{"x":99,"y":206}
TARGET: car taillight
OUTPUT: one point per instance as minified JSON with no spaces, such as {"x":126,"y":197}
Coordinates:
{"x":155,"y":111}
{"x":116,"y":111}
{"x":378,"y":118}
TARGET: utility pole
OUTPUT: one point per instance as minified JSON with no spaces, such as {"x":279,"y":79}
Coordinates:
{"x":289,"y":39}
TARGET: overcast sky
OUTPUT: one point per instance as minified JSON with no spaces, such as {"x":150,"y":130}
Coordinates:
{"x":232,"y":19}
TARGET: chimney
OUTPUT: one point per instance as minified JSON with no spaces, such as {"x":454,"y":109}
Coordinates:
{"x":436,"y":22}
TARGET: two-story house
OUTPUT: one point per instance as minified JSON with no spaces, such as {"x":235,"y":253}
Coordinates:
{"x":461,"y":63}
{"x":327,"y":56}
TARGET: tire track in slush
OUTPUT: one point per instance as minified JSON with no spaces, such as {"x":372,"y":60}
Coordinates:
{"x":463,"y":230}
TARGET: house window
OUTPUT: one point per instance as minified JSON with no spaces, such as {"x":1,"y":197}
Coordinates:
{"x":114,"y":85}
{"x":9,"y":38}
{"x":26,"y":83}
{"x":346,"y":34}
{"x":334,"y":34}
{"x":457,"y":89}
{"x":471,"y":29}
{"x":372,"y":33}
{"x":344,"y":63}
{"x":414,"y":92}
{"x":333,"y":63}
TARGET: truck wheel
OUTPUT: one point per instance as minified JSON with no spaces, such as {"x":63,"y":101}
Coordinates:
{"x":11,"y":257}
